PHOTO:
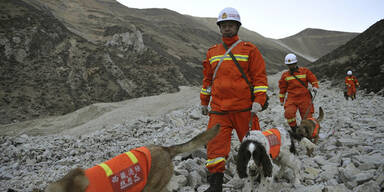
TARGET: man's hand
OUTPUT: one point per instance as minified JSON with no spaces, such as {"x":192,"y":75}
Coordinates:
{"x":281,"y":104}
{"x":314,"y":90}
{"x":256,"y":107}
{"x":266,"y":104}
{"x":204,"y":109}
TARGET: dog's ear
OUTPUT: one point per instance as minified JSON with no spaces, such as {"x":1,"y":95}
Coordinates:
{"x":242,"y":160}
{"x":296,"y":136}
{"x":265,"y":161}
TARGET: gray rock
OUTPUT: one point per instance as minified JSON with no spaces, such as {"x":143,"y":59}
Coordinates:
{"x":336,"y":188}
{"x":370,"y":186}
{"x":194,"y":179}
{"x":177,"y":182}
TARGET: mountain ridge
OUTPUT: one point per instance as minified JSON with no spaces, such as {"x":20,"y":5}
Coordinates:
{"x":92,"y":51}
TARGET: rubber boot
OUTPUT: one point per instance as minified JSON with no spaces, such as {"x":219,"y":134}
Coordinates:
{"x":215,"y":182}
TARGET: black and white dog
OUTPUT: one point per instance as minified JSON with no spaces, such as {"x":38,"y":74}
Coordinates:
{"x":261,"y":154}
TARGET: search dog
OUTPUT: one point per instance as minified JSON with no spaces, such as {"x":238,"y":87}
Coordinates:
{"x":263,"y":153}
{"x":160,"y":172}
{"x":310,"y":129}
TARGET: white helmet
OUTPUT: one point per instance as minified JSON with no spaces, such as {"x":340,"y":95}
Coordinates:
{"x":290,"y":59}
{"x":349,"y":72}
{"x":228,"y":14}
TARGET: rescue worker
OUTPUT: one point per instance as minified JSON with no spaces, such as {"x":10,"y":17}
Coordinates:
{"x":229,"y":91}
{"x":351,"y":83}
{"x":295,"y":83}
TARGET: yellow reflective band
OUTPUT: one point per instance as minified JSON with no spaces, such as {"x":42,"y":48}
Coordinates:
{"x":214,"y":161}
{"x":204,"y":92}
{"x":268,"y":131}
{"x":228,"y":57}
{"x":257,"y":89}
{"x":314,"y":83}
{"x":298,"y":76}
{"x":108,"y":171}
{"x":241,"y":57}
{"x":281,"y":95}
{"x":132,"y":157}
{"x":291,"y":120}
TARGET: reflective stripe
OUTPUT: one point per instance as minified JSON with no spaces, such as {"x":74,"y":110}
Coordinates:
{"x":257,"y":89}
{"x":298,"y":76}
{"x":204,"y":92}
{"x":132,"y":157}
{"x":211,"y":162}
{"x":291,"y":120}
{"x":314,"y":83}
{"x":228,"y":57}
{"x":107,"y":169}
{"x":281,"y":95}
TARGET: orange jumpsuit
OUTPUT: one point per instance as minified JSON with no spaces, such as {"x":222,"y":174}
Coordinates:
{"x":298,"y":95}
{"x":351,"y":83}
{"x":230,"y":95}
{"x":126,"y":172}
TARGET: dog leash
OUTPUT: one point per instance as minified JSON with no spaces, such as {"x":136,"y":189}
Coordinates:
{"x":310,"y":104}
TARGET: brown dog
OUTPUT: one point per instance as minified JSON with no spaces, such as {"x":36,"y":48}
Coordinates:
{"x":160,"y":173}
{"x":310,"y":129}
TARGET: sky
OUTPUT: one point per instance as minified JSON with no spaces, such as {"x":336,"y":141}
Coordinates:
{"x":281,"y":18}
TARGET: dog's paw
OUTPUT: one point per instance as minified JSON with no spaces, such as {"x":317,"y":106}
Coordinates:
{"x":307,"y":143}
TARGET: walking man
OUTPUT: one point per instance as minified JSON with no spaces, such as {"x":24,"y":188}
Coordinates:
{"x":234,"y":85}
{"x":351,"y":83}
{"x":295,"y":83}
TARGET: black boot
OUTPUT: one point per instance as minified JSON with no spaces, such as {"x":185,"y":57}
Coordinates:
{"x":215,"y":182}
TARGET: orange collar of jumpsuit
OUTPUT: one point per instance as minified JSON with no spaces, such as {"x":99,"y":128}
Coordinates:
{"x":126,"y":172}
{"x":230,"y":40}
{"x":317,"y":126}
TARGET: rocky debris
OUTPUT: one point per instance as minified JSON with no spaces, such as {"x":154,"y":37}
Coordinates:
{"x":348,"y":157}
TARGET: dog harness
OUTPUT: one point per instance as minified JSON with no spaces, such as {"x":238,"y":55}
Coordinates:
{"x":126,"y":172}
{"x":317,"y":126}
{"x":274,"y":138}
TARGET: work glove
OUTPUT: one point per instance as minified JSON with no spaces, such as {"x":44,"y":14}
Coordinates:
{"x":314,"y":90}
{"x":204,"y":109}
{"x":256,"y":107}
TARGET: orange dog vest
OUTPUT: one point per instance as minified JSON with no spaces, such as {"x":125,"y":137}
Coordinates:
{"x":317,"y":126}
{"x":126,"y":172}
{"x":274,"y":139}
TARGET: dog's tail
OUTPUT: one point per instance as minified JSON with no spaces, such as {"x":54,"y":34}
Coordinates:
{"x":321,"y":114}
{"x":199,"y":140}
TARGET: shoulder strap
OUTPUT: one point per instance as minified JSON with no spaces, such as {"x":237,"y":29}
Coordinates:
{"x":301,"y":82}
{"x":241,"y":71}
{"x":222,"y":58}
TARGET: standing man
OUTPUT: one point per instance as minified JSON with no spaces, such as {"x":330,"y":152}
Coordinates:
{"x":295,"y":83}
{"x":233,"y":91}
{"x":351,"y":83}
